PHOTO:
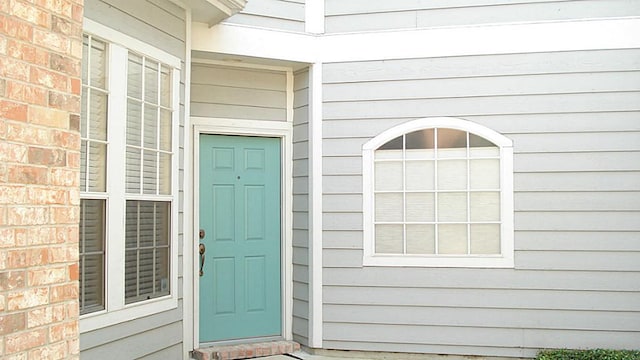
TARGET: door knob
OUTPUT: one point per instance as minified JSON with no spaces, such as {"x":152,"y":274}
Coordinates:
{"x":201,"y":250}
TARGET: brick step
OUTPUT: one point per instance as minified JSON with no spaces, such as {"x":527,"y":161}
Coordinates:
{"x":246,"y":351}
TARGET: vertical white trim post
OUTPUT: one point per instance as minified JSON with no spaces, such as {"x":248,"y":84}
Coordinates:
{"x":314,"y":16}
{"x":315,"y":206}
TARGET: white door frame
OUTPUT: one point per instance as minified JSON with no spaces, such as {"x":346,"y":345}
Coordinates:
{"x":220,"y":126}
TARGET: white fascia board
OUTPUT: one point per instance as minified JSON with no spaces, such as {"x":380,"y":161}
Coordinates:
{"x":254,"y":42}
{"x":419,"y":43}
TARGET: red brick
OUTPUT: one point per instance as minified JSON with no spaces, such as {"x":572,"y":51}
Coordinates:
{"x":64,"y":26}
{"x":48,"y":117}
{"x":67,"y":139}
{"x":70,"y":103}
{"x":12,"y":194}
{"x":7,"y":238}
{"x":17,"y":29}
{"x":64,"y":292}
{"x":63,"y":254}
{"x":74,"y":272}
{"x":10,"y":323}
{"x":67,"y":234}
{"x":10,"y":280}
{"x":46,"y":196}
{"x":22,"y":132}
{"x":64,"y":177}
{"x":21,"y":50}
{"x":60,"y":7}
{"x":76,"y":86}
{"x":46,"y":156}
{"x":13,"y":111}
{"x":27,"y":215}
{"x":24,"y":92}
{"x":65,"y":64}
{"x":50,"y":352}
{"x":25,"y":340}
{"x":30,"y":13}
{"x":47,"y":276}
{"x":14,"y":69}
{"x":50,"y":40}
{"x":28,"y":298}
{"x":49,"y":79}
{"x":19,"y":174}
{"x":63,"y":331}
{"x":11,"y":152}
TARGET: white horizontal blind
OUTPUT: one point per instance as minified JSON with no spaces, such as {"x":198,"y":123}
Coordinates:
{"x":93,"y":174}
{"x":437,"y":192}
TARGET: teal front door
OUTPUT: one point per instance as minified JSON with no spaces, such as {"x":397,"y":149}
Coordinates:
{"x":240,"y":284}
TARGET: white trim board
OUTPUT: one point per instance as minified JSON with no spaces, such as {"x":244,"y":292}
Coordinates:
{"x":590,"y":34}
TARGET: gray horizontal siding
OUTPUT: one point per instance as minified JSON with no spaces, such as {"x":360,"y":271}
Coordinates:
{"x":349,"y":16}
{"x":161,"y":24}
{"x":238,"y":93}
{"x":285,"y":15}
{"x":301,"y":207}
{"x":574,"y":118}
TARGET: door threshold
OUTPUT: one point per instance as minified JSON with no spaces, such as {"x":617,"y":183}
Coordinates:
{"x":245,"y":351}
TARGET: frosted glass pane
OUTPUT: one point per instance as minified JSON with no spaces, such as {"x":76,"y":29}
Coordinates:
{"x":97,"y":166}
{"x":484,"y":174}
{"x":484,"y":206}
{"x":388,"y":175}
{"x":420,"y":175}
{"x":395,"y":144}
{"x":421,"y":139}
{"x":150,"y":126}
{"x":151,"y":81}
{"x":97,"y":122}
{"x":484,"y":152}
{"x":165,"y":86}
{"x":452,"y":174}
{"x":165,"y":130}
{"x":419,"y":154}
{"x":134,"y":76}
{"x":388,"y":154}
{"x":485,"y":239}
{"x":420,"y":207}
{"x":134,"y":160}
{"x":150,"y":172}
{"x":165,"y":174}
{"x":451,"y":138}
{"x":134,"y":122}
{"x":421,"y":239}
{"x":458,"y":153}
{"x":389,"y":239}
{"x":452,"y":239}
{"x":389,"y":207}
{"x":452,"y":206}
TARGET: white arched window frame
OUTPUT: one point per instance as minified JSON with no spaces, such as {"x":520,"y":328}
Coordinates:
{"x":505,"y":259}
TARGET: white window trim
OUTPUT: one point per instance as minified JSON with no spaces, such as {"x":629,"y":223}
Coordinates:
{"x":506,"y":257}
{"x":116,"y":311}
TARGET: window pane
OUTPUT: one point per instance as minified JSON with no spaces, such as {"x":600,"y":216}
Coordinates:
{"x":150,"y":172}
{"x":452,"y":239}
{"x":477,"y":141}
{"x":388,"y":176}
{"x":165,"y":130}
{"x":389,"y":239}
{"x":420,"y":207}
{"x":421,"y":139}
{"x":485,"y":239}
{"x":151,"y":81}
{"x":147,"y":250}
{"x":134,"y":76}
{"x":150,"y":126}
{"x":98,"y":115}
{"x":484,"y":174}
{"x":421,"y":239}
{"x":91,"y":256}
{"x":485,"y":206}
{"x":389,"y":207}
{"x":420,"y":175}
{"x":452,"y":206}
{"x":97,"y":166}
{"x":85,"y":57}
{"x":450,"y":138}
{"x":452,"y":175}
{"x":84,"y":114}
{"x":98,"y":60}
{"x":134,"y":123}
{"x":165,"y":87}
{"x":388,"y":154}
{"x":134,"y":162}
{"x":83,"y":165}
{"x":165,"y":174}
{"x":395,"y":144}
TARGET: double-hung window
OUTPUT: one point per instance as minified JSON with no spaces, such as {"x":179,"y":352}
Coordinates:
{"x":438,"y":192}
{"x":128,"y":173}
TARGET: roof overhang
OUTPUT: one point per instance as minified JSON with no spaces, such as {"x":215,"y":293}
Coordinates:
{"x":213,"y":12}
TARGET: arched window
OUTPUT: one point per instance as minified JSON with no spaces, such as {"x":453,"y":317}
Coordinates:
{"x":438,"y":192}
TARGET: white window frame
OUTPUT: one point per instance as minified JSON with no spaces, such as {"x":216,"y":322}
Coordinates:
{"x":506,"y":257}
{"x":115,"y":310}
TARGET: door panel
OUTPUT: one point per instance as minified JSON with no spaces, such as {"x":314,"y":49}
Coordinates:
{"x":240,"y":289}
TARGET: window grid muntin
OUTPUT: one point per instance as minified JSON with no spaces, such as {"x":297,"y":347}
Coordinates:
{"x":436,"y":191}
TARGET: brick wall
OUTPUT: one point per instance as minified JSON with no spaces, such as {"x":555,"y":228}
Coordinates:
{"x":40,"y":53}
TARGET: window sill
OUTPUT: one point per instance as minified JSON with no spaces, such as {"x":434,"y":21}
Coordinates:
{"x":467,"y":261}
{"x":102,"y":319}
